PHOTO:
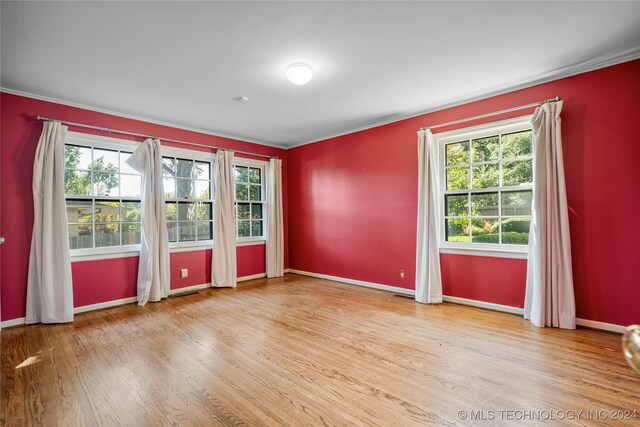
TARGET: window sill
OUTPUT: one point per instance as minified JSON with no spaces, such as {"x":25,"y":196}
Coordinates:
{"x":134,"y":251}
{"x":485,"y":252}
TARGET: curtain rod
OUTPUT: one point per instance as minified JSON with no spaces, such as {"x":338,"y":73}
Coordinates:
{"x":122,"y":132}
{"x":495,"y":113}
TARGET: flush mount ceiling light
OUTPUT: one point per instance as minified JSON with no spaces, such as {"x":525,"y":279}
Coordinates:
{"x":299,"y":73}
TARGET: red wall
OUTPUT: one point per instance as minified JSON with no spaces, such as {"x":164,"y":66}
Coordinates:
{"x":93,"y":281}
{"x":352,"y":199}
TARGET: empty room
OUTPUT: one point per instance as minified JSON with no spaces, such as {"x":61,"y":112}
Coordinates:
{"x":319,"y":213}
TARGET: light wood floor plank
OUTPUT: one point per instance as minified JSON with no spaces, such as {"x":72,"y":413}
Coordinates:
{"x":299,"y":351}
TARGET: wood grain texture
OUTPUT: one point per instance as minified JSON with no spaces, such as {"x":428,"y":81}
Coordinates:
{"x":298,"y":351}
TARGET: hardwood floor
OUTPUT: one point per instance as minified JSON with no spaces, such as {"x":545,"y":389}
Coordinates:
{"x":298,"y":351}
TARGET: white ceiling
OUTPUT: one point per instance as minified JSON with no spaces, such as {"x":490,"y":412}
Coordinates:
{"x":184,"y":63}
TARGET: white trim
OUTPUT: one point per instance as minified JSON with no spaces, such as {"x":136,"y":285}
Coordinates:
{"x":189,"y":288}
{"x":13,"y":322}
{"x":562,"y":73}
{"x":603,"y":326}
{"x":138,"y":118}
{"x":491,"y":253}
{"x":378,"y":286}
{"x":103,"y":305}
{"x":262,"y":241}
{"x":483,"y":304}
{"x":252,"y":277}
{"x":105,"y":255}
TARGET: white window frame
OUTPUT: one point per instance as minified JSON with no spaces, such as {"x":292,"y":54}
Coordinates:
{"x":107,"y":143}
{"x":444,"y":138}
{"x":263,"y":166}
{"x":201,"y":156}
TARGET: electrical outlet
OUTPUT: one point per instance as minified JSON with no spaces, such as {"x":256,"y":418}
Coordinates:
{"x":402,"y":274}
{"x":184,"y":273}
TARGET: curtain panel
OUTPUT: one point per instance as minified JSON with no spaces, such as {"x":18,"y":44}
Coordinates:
{"x":49,"y":285}
{"x":549,"y":298}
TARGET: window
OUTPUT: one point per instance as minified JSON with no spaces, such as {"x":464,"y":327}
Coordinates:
{"x":188,"y":199}
{"x":249,"y":178}
{"x":102,"y":196}
{"x":487,"y":183}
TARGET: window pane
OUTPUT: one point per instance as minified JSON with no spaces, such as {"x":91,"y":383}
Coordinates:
{"x":485,"y":204}
{"x":131,"y":233}
{"x":242,"y":173}
{"x":242,"y":192}
{"x":185,"y":188}
{"x":170,"y":211}
{"x":456,"y":205}
{"x":105,"y":160}
{"x":485,"y":149}
{"x":243,"y":210}
{"x":77,"y":183}
{"x":186,"y":211}
{"x":204,"y":230}
{"x":485,"y":230}
{"x":256,"y":228}
{"x":184,"y":168}
{"x":243,"y":229}
{"x":80,"y":236}
{"x":77,"y":157}
{"x":107,"y":211}
{"x":130,"y":185}
{"x":517,"y":172}
{"x":202,"y":189}
{"x":202,"y":170}
{"x":515,"y":231}
{"x":256,"y":193}
{"x":254,"y":176}
{"x":205,"y":211}
{"x":131,"y":211}
{"x":457,"y":153}
{"x":256,"y":211}
{"x":168,"y":167}
{"x":485,"y":176}
{"x":457,"y":178}
{"x":79,"y":211}
{"x":124,"y":167}
{"x":169,"y":185}
{"x":106,"y":184}
{"x":516,"y":203}
{"x":187,"y":231}
{"x":107,"y":235}
{"x":516,"y":144}
{"x":457,"y":230}
{"x":172,"y":230}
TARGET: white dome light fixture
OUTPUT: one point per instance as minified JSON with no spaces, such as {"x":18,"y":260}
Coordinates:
{"x":299,"y":73}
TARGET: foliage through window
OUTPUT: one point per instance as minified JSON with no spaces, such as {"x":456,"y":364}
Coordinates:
{"x":249,"y":201}
{"x":102,"y":198}
{"x":188,"y":199}
{"x":488,"y":184}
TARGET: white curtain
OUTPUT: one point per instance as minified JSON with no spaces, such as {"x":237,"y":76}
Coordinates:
{"x":153,"y":269}
{"x":275,"y":232}
{"x":223,"y":261}
{"x":549,"y":298}
{"x":428,"y":279}
{"x":49,"y":287}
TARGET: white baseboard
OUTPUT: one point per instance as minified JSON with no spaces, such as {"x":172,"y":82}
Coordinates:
{"x":372,"y":285}
{"x":13,"y":322}
{"x":611,"y":327}
{"x":603,"y":326}
{"x":252,"y":277}
{"x":483,"y":304}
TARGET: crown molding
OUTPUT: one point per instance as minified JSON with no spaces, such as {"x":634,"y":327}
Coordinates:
{"x":546,"y":77}
{"x":134,"y":117}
